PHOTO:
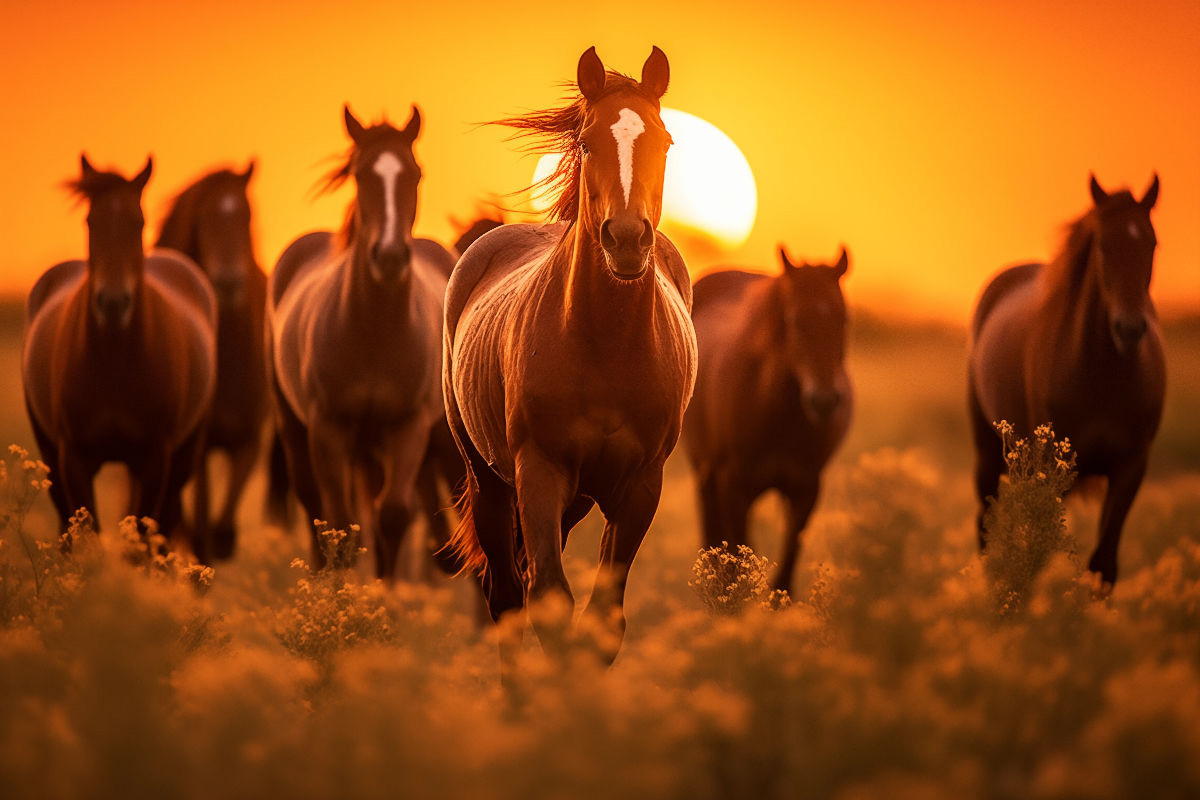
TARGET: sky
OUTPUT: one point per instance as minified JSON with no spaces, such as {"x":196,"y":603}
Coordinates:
{"x":937,"y":140}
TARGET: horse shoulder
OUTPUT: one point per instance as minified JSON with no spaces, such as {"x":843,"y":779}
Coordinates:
{"x":55,"y":282}
{"x":180,"y":276}
{"x":309,"y":249}
{"x":999,"y":287}
{"x":673,"y":266}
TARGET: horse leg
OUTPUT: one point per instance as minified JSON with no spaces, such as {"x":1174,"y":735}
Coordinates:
{"x":241,"y":464}
{"x":989,"y":460}
{"x":542,"y":498}
{"x":331,"y":449}
{"x":188,"y":460}
{"x":1122,"y":488}
{"x":442,"y":458}
{"x":76,"y":483}
{"x":49,"y":454}
{"x":404,"y":452}
{"x":574,"y":514}
{"x":292,"y":437}
{"x":712,"y":504}
{"x":625,"y":526}
{"x":801,"y":501}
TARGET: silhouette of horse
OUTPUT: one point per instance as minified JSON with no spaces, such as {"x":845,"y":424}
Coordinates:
{"x":570,"y":354}
{"x":119,"y":360}
{"x":473,"y":231}
{"x":354,"y":348}
{"x":210,"y":223}
{"x":1076,"y":342}
{"x":773,"y":400}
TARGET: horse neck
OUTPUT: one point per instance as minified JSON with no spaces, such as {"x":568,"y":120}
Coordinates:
{"x":103,"y":344}
{"x":360,"y":295}
{"x":595,"y":300}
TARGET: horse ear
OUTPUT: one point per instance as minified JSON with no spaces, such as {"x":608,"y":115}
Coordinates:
{"x":843,"y":263}
{"x":142,"y":177}
{"x":656,"y":73}
{"x":353,"y":126}
{"x":1151,"y":196}
{"x":414,"y":123}
{"x":86,"y":167}
{"x":249,"y":171}
{"x":589,"y":75}
{"x":788,"y":266}
{"x":1098,"y":194}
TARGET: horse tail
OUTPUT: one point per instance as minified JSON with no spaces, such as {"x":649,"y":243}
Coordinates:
{"x":464,"y":541}
{"x":278,"y":483}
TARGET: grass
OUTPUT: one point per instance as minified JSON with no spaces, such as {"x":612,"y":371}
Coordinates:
{"x":892,"y":672}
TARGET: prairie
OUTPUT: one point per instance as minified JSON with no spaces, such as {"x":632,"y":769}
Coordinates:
{"x":893,"y":672}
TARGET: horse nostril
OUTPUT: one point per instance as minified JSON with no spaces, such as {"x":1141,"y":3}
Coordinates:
{"x":646,"y":241}
{"x":824,"y":402}
{"x":607,"y":240}
{"x":1129,"y":330}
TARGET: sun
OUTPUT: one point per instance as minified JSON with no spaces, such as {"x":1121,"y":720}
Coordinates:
{"x":709,"y":189}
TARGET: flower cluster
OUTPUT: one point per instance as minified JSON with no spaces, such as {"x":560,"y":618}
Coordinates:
{"x":728,"y":581}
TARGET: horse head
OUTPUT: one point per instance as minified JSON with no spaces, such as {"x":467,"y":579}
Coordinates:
{"x":116,"y":260}
{"x":622,"y":149}
{"x":814,"y":338}
{"x":386,"y":175}
{"x":223,"y":245}
{"x":1123,"y":247}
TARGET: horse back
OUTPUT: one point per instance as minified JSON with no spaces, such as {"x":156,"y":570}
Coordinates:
{"x":723,"y":286}
{"x":309,"y":249}
{"x":1000,"y":287}
{"x":434,"y":254}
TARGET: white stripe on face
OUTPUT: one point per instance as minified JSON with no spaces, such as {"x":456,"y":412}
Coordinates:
{"x":625,"y":130}
{"x":388,"y":166}
{"x":229,"y":204}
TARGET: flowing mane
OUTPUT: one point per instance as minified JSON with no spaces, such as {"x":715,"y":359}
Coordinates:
{"x":93,"y":185}
{"x":336,"y":177}
{"x":1062,"y":277}
{"x":557,"y":130}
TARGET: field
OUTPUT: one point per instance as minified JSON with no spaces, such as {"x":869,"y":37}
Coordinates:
{"x":895,"y":672}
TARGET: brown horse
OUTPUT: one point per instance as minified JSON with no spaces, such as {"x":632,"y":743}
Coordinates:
{"x":570,"y":354}
{"x":773,"y":400}
{"x":1076,"y":342}
{"x":354,"y":350}
{"x":119,"y":360}
{"x":210,"y":223}
{"x":473,"y":231}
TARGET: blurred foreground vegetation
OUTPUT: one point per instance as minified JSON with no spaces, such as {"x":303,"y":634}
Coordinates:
{"x":895,"y":671}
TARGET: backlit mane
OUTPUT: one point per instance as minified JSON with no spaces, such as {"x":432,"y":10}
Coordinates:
{"x":557,"y":130}
{"x":94,"y":185}
{"x":1062,"y":277}
{"x":337,"y":176}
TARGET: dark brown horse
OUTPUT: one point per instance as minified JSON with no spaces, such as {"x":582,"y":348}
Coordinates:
{"x":1076,"y":343}
{"x":210,"y":223}
{"x":119,"y":360}
{"x":355,"y":352}
{"x":473,"y":231}
{"x":773,"y":400}
{"x":570,"y":354}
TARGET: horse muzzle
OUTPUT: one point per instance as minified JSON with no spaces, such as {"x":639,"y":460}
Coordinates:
{"x":1127,"y":331}
{"x":627,"y":244}
{"x":390,"y":261}
{"x":229,"y":291}
{"x":819,"y":405}
{"x":113,"y":309}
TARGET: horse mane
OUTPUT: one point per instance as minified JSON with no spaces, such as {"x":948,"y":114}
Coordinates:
{"x":557,"y":130}
{"x":1063,"y":277}
{"x":338,"y":175}
{"x":93,"y":185}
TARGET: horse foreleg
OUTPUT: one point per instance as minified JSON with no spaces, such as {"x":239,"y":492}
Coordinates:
{"x":801,"y":502}
{"x":76,"y":476}
{"x":543,"y":492}
{"x":625,"y":526}
{"x":241,"y":463}
{"x":330,"y":448}
{"x":403,"y":454}
{"x":989,"y":460}
{"x":1122,"y":488}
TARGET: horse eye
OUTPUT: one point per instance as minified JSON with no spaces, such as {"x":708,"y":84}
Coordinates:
{"x":583,"y":148}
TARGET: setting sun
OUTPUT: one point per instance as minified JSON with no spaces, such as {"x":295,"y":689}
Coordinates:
{"x":709,"y":191}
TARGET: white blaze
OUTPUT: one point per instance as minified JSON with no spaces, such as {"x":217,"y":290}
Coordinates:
{"x":1134,"y":230}
{"x":388,"y":166}
{"x":625,"y":130}
{"x":229,"y":204}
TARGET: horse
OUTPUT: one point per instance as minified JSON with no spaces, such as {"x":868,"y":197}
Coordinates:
{"x":210,"y":223}
{"x":570,"y":355}
{"x":473,"y":231}
{"x":119,"y":360}
{"x":1076,"y":342}
{"x":354,"y":353}
{"x":773,"y":399}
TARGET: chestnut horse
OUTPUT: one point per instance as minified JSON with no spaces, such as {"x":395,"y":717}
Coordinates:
{"x":773,"y":400}
{"x":1076,"y":343}
{"x":210,"y":223}
{"x":354,"y":338}
{"x":119,"y":360}
{"x":570,"y":354}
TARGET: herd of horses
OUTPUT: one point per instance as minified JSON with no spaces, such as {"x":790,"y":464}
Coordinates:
{"x":532,"y":371}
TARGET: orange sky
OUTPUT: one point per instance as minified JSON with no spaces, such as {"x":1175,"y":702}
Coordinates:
{"x":938,"y":140}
